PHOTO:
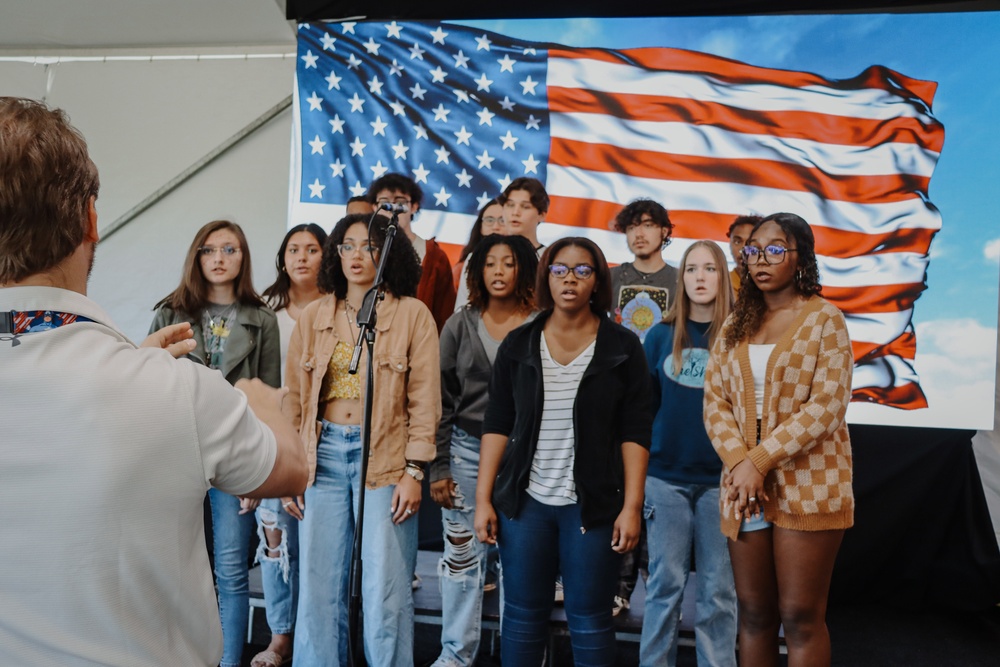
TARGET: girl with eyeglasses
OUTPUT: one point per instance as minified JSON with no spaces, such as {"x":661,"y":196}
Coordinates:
{"x":501,"y":284}
{"x":489,"y":221}
{"x":325,"y":402}
{"x":776,"y":393}
{"x":296,"y":286}
{"x":236,"y":333}
{"x":681,"y":508}
{"x":563,"y":458}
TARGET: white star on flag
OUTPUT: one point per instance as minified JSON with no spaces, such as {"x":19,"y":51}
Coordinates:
{"x":420,"y":174}
{"x":378,"y":169}
{"x":315,"y":102}
{"x":417,"y":92}
{"x":506,"y":64}
{"x":420,"y":130}
{"x":353,"y":62}
{"x":438,"y":35}
{"x":483,"y":199}
{"x":482,"y":83}
{"x":417,"y":53}
{"x":395,"y":69}
{"x":529,"y":86}
{"x":317,"y":145}
{"x":464,"y":179}
{"x":309,"y":59}
{"x":532,"y":123}
{"x":357,"y":189}
{"x":378,"y":126}
{"x":397,"y":108}
{"x":357,"y":104}
{"x":530,"y":165}
{"x":506,"y":104}
{"x":316,"y":189}
{"x":375,"y":86}
{"x":394,"y":30}
{"x":442,"y":155}
{"x":441,"y":114}
{"x":337,"y":167}
{"x":485,"y":161}
{"x":504,"y":182}
{"x":463,"y":136}
{"x":336,"y":125}
{"x":333,"y":80}
{"x":441,"y":197}
{"x":348,"y":27}
{"x":399,"y":150}
{"x":357,"y":148}
{"x":483,"y":43}
{"x":372,"y":47}
{"x":328,"y":42}
{"x":460,"y":60}
{"x":485,"y":117}
{"x":461,"y":95}
{"x":438,"y":74}
{"x":508,"y":141}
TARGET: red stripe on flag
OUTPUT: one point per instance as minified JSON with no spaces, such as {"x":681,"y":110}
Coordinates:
{"x":789,"y":124}
{"x":866,"y":189}
{"x":907,"y":396}
{"x":724,"y":69}
{"x":833,"y":242}
{"x":904,"y":346}
{"x":874,"y":298}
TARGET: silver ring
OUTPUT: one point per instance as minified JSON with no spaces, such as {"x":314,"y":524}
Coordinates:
{"x":752,"y":499}
{"x":409,"y":511}
{"x":286,"y":504}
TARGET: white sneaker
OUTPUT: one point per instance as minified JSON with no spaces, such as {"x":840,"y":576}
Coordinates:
{"x":417,"y":581}
{"x":621,"y":604}
{"x":560,"y":592}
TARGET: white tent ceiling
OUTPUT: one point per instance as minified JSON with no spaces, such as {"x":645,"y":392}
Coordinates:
{"x":56,"y":26}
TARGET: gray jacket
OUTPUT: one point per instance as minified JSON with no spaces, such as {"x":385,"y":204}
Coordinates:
{"x":253,"y":347}
{"x":465,"y":382}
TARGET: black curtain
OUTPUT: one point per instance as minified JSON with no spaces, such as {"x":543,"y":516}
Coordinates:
{"x":922,"y":534}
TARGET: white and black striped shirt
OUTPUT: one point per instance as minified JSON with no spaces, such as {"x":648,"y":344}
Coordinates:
{"x":551,"y":480}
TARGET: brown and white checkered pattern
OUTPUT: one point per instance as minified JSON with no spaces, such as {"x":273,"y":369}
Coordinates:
{"x":805,"y":450}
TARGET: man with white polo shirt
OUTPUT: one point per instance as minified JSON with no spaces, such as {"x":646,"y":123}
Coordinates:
{"x":107,"y":450}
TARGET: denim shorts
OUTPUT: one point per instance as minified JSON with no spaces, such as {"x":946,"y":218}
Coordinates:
{"x":755,"y":523}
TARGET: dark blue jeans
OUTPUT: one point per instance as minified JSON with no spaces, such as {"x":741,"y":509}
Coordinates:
{"x":543,"y":541}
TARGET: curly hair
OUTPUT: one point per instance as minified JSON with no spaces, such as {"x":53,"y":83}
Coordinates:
{"x":276,"y":294}
{"x":633,"y":211}
{"x":525,"y":261}
{"x":401,"y":275}
{"x":748,"y":313}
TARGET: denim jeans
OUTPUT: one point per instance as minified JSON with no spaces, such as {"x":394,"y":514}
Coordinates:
{"x":279,"y":574}
{"x":388,"y":553}
{"x":543,"y":541}
{"x":463,"y":567}
{"x":677,"y":515}
{"x":231,"y":533}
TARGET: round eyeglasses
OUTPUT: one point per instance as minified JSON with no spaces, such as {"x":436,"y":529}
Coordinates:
{"x":581,"y":271}
{"x":347,"y":249}
{"x":772,"y":254}
{"x":226,"y":250}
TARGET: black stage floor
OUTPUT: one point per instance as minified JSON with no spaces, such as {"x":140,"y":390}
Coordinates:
{"x":863,"y":635}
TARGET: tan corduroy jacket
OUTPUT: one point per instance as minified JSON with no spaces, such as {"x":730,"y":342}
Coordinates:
{"x":804,"y":451}
{"x":407,"y":400}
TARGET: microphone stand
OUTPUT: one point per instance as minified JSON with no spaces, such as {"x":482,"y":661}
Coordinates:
{"x":367,"y":318}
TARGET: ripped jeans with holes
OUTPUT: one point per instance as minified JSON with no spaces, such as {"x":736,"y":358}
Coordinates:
{"x":462,"y":570}
{"x":279,"y":568}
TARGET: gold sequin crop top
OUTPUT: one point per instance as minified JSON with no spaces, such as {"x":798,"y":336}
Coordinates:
{"x":337,"y":382}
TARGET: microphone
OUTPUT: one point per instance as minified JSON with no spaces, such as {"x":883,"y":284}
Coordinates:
{"x":395,"y":209}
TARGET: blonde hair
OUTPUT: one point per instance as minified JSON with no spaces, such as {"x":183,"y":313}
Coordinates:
{"x":681,"y":310}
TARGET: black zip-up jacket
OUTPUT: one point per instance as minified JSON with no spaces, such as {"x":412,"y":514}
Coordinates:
{"x":612,"y":406}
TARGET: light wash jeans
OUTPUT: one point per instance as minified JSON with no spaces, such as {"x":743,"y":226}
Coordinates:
{"x":388,"y":553}
{"x":463,"y":568}
{"x":677,"y":515}
{"x":279,"y":574}
{"x":543,"y":541}
{"x":231,"y":533}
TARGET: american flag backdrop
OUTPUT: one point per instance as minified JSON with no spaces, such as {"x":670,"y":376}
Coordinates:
{"x":464,"y":111}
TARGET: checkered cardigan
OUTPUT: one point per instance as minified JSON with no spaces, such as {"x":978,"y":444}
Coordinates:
{"x":804,"y":451}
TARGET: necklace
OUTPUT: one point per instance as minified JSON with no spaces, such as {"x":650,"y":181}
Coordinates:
{"x":347,"y":312}
{"x":217,"y":324}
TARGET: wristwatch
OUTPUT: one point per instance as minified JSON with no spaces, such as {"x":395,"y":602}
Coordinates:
{"x":415,"y":470}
